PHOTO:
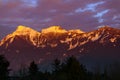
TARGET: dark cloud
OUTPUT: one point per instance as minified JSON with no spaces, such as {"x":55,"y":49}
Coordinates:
{"x":67,"y":13}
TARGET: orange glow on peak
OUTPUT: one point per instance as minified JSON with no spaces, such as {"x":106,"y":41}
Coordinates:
{"x":21,"y":27}
{"x":77,"y":31}
{"x":56,"y":29}
{"x":24,"y":30}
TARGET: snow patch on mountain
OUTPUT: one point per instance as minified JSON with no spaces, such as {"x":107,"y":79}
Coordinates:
{"x":5,"y":41}
{"x":76,"y":31}
{"x":96,"y":37}
{"x":55,"y":29}
{"x":53,"y":45}
{"x":113,"y":40}
{"x":67,"y":40}
{"x":84,"y":42}
{"x":72,"y":46}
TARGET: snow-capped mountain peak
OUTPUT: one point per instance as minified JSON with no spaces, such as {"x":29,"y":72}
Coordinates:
{"x":76,"y":31}
{"x":23,"y":30}
{"x":57,"y":35}
{"x":55,"y":29}
{"x":56,"y":42}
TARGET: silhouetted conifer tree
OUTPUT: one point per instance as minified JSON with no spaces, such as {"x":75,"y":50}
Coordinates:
{"x":75,"y":70}
{"x":115,"y":71}
{"x":56,"y":65}
{"x":105,"y":74}
{"x":4,"y":71}
{"x":56,"y":69}
{"x":33,"y":71}
{"x":71,"y":69}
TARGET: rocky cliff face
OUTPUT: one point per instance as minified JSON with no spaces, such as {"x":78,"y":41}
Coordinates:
{"x":25,"y":44}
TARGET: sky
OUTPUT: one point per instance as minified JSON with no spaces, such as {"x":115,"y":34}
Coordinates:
{"x":86,"y":15}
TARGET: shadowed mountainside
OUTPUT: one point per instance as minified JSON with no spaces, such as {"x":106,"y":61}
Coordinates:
{"x":25,"y":45}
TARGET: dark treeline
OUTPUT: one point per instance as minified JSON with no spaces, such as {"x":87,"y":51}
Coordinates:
{"x":70,"y":69}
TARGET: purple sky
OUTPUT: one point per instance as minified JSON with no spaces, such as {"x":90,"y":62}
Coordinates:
{"x":83,"y":14}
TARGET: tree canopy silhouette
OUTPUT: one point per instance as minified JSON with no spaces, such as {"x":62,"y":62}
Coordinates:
{"x":33,"y":69}
{"x":4,"y":71}
{"x":56,"y":65}
{"x":75,"y":70}
{"x":71,"y":69}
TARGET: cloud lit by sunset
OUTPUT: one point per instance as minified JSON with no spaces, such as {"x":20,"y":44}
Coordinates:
{"x":83,"y":14}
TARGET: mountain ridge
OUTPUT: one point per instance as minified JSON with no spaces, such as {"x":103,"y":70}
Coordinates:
{"x":29,"y":32}
{"x":55,"y":34}
{"x":49,"y":44}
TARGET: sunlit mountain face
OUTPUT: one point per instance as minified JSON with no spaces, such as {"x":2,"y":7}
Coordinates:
{"x":24,"y":45}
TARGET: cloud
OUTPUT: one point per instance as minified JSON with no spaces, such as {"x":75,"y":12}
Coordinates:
{"x":89,"y":7}
{"x":30,"y":3}
{"x":100,"y":15}
{"x":83,"y":14}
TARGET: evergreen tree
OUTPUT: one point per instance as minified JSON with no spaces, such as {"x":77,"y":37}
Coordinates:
{"x":56,"y":65}
{"x":71,"y":69}
{"x":75,"y":70}
{"x":33,"y":71}
{"x":4,"y":71}
{"x":97,"y":73}
{"x":56,"y":70}
{"x":22,"y":73}
{"x":105,"y":74}
{"x":115,"y":71}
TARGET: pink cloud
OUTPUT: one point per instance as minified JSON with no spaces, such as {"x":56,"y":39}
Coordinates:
{"x":42,"y":13}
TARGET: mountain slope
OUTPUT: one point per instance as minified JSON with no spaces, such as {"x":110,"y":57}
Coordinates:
{"x":25,"y":44}
{"x":21,"y":35}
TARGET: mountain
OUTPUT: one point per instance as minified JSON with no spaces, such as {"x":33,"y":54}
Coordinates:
{"x":25,"y":45}
{"x":22,"y":33}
